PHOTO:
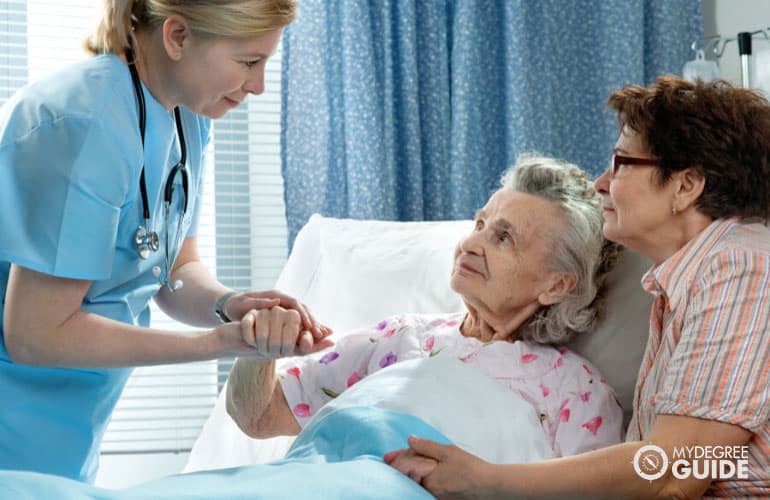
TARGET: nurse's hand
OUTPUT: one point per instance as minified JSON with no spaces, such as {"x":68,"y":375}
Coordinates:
{"x":270,"y":334}
{"x":238,"y":305}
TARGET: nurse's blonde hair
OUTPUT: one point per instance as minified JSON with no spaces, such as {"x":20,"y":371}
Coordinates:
{"x":214,"y":18}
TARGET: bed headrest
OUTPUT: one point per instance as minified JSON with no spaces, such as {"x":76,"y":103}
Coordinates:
{"x":353,"y":273}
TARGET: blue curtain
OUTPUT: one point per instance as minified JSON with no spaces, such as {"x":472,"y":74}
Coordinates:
{"x":411,"y":109}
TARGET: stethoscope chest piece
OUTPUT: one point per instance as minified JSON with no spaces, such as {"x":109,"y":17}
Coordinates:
{"x":146,"y":242}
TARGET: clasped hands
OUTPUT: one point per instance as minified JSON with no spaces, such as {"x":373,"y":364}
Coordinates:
{"x":271,"y":325}
{"x":444,"y":470}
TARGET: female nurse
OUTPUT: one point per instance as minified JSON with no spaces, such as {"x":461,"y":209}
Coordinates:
{"x":100,"y":177}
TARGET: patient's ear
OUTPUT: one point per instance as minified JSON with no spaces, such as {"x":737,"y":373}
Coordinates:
{"x":560,"y":285}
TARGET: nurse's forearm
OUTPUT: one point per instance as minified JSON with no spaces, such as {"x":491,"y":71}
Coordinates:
{"x":44,"y":325}
{"x":193,"y":303}
{"x":87,"y":340}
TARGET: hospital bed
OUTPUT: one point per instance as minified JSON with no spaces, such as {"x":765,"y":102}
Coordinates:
{"x":352,"y":273}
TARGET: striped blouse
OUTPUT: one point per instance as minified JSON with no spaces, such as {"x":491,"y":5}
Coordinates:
{"x":708,"y":353}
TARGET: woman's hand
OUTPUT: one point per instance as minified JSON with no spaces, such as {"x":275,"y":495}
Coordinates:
{"x":238,"y":305}
{"x":446,"y":471}
{"x":269,"y":334}
{"x":410,"y":463}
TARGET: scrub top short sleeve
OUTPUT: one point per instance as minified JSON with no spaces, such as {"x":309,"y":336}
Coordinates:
{"x":60,"y":206}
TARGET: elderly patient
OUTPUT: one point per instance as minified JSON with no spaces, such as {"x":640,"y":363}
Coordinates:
{"x":529,"y":275}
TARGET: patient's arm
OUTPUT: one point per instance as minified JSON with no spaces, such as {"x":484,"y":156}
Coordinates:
{"x":256,"y":402}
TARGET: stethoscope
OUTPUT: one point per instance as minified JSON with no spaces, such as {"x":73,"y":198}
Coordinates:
{"x":147,"y":241}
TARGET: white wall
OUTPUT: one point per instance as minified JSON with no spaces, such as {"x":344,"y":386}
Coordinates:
{"x":730,"y":17}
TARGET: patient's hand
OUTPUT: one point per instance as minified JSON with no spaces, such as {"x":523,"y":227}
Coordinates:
{"x":267,"y":334}
{"x":444,"y":470}
{"x":238,"y":305}
{"x":410,"y":463}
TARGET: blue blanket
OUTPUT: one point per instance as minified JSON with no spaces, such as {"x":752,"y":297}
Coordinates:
{"x":338,"y":456}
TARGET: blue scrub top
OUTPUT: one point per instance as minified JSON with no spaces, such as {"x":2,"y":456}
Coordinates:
{"x":70,"y":159}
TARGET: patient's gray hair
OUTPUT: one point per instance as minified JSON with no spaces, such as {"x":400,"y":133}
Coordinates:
{"x":579,"y":247}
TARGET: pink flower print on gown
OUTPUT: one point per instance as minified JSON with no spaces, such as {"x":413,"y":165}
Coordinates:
{"x":430,"y":342}
{"x":593,"y":425}
{"x":355,"y":377}
{"x":302,"y":410}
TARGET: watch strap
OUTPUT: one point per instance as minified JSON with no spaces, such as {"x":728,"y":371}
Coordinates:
{"x":221,"y":304}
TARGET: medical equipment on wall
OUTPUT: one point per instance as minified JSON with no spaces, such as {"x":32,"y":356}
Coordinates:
{"x":700,"y":68}
{"x":146,"y":240}
{"x":708,"y":70}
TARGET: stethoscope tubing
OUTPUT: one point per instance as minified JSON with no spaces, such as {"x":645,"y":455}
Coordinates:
{"x":180,"y":167}
{"x":146,"y":240}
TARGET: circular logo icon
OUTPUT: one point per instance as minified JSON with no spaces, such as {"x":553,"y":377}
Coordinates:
{"x":650,"y":462}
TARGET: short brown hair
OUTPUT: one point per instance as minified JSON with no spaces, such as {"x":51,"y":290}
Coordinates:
{"x":721,"y":131}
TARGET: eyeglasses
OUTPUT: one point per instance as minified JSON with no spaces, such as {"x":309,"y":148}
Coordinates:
{"x":617,"y":160}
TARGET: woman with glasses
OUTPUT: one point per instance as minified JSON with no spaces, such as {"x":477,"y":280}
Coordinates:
{"x":689,"y":187}
{"x":100,"y":178}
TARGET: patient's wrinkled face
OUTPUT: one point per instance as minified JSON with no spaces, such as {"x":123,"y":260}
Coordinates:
{"x":500,"y":268}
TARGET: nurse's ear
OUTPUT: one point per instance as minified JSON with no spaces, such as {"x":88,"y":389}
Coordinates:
{"x":176,"y":35}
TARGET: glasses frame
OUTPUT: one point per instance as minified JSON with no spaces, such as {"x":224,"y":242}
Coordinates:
{"x":617,"y":160}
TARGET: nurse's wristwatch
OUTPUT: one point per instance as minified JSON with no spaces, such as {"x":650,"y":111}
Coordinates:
{"x":221,"y":304}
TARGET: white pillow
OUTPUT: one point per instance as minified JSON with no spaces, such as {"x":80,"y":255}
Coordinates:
{"x":371,"y":270}
{"x":299,"y":276}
